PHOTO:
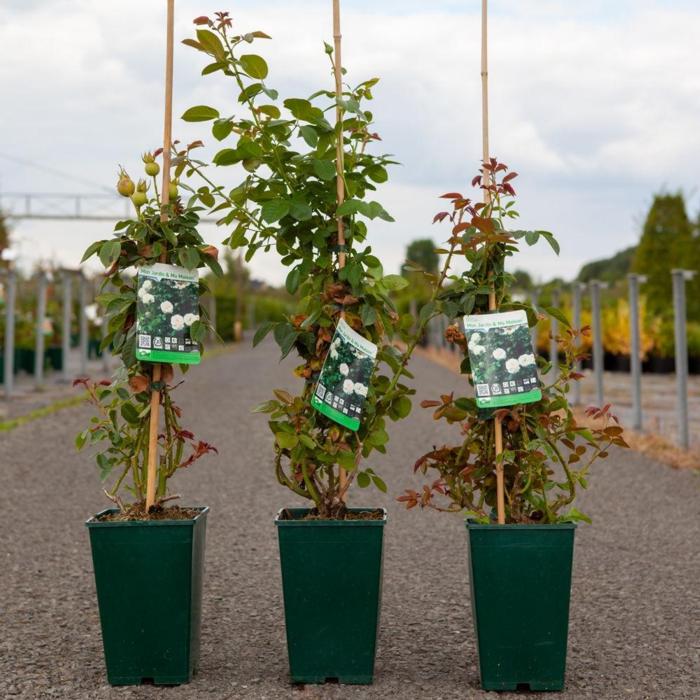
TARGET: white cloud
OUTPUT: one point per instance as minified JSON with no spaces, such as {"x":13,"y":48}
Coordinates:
{"x":595,"y":105}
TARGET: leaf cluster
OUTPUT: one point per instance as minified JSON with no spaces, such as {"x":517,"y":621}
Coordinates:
{"x":123,"y":406}
{"x":547,"y":451}
{"x":286,"y":151}
{"x":120,"y":431}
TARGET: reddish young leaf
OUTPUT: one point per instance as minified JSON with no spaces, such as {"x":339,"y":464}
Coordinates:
{"x":139,"y":383}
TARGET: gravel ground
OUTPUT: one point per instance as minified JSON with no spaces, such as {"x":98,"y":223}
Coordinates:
{"x":26,"y":397}
{"x":635,"y":600}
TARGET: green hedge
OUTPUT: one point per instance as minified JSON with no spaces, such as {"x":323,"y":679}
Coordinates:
{"x":266,"y":308}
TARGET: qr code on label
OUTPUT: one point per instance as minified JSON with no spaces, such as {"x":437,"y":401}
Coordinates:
{"x":144,"y":341}
{"x":482,"y":389}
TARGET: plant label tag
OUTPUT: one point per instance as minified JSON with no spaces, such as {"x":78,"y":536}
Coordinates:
{"x":345,"y":377}
{"x":502,"y":360}
{"x":167,"y":315}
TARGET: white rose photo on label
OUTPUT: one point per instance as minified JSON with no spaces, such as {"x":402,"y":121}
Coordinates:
{"x":502,"y":360}
{"x":167,"y":308}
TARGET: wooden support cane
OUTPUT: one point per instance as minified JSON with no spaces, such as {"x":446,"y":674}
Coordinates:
{"x":165,"y":201}
{"x":339,"y":155}
{"x":498,"y":428}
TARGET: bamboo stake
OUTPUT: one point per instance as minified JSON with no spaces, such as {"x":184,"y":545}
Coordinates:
{"x":165,"y":201}
{"x":339,"y":160}
{"x":339,"y":151}
{"x":498,"y":428}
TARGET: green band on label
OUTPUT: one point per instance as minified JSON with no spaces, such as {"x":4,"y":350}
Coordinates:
{"x":509,"y":400}
{"x":178,"y":358}
{"x":334,"y":414}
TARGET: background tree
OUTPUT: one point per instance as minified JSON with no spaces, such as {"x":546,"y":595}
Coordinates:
{"x":522,"y":281}
{"x":4,"y":238}
{"x":667,"y":241}
{"x":422,"y":254}
{"x":240,"y":298}
{"x":610,"y":269}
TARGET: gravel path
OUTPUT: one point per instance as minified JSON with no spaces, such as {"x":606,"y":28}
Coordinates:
{"x":635,"y":602}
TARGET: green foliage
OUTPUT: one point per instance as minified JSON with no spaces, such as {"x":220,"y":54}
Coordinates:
{"x":123,"y":406}
{"x":421,"y":253}
{"x":120,"y":431}
{"x":4,"y":238}
{"x":285,"y":151}
{"x":265,"y":308}
{"x":610,"y":269}
{"x":546,"y":452}
{"x":667,"y":242}
{"x":522,"y":281}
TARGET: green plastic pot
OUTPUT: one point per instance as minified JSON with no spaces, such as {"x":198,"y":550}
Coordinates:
{"x":24,"y":359}
{"x":94,"y":348}
{"x":520,"y":578}
{"x":148,"y":576}
{"x":15,"y":369}
{"x":54,"y":358}
{"x":332,"y":583}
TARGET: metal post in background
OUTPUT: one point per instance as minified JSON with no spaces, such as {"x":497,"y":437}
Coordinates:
{"x":39,"y":344}
{"x":106,"y":354}
{"x":576,"y":292}
{"x":10,"y":296}
{"x":212,"y":316}
{"x":83,"y":323}
{"x":534,"y":300}
{"x":104,"y":330}
{"x":633,"y":282}
{"x":681,"y":340}
{"x":554,"y":332}
{"x":67,"y":317}
{"x":251,"y":314}
{"x":443,"y":326}
{"x":413,"y":310}
{"x":595,"y":287}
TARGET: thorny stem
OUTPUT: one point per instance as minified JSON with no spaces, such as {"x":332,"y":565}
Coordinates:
{"x":284,"y":480}
{"x":401,"y":365}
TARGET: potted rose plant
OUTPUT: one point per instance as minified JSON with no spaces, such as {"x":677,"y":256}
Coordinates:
{"x":148,"y":562}
{"x":520,"y":571}
{"x":288,"y":201}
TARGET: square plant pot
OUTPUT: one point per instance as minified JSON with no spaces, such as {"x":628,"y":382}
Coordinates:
{"x":520,"y":577}
{"x":54,"y":358}
{"x":94,"y":348}
{"x":148,"y":575}
{"x":24,"y":360}
{"x":332,"y":583}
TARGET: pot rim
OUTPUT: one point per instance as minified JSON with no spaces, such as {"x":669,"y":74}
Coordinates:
{"x":279,"y":522}
{"x":93,"y":522}
{"x":473,"y":525}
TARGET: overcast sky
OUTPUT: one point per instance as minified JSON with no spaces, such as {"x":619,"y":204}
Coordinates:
{"x":596,"y":104}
